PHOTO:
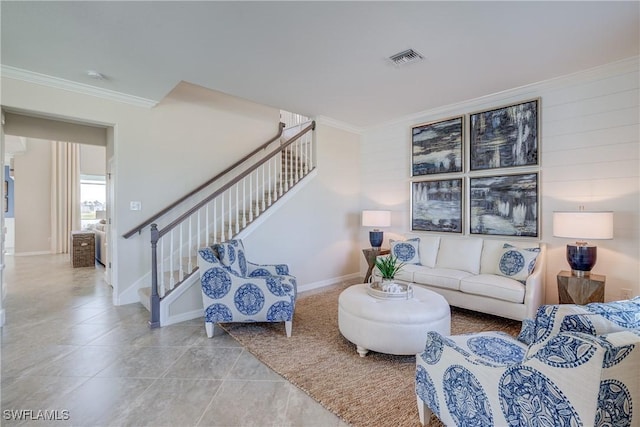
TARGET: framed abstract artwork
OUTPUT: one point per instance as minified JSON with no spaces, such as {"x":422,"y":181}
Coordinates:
{"x":504,"y":205}
{"x":437,"y":147}
{"x":504,"y":137}
{"x":437,"y":205}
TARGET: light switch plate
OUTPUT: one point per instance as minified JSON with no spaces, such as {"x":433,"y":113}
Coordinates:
{"x":135,"y":206}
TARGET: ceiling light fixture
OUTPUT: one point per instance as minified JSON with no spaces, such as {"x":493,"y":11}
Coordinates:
{"x":96,"y":75}
{"x":406,"y":57}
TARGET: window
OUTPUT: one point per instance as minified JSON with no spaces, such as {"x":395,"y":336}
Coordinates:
{"x":93,"y":198}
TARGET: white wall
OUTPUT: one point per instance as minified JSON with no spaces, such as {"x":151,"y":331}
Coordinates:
{"x":92,"y":160}
{"x":589,"y":156}
{"x":163,"y":152}
{"x":316,"y":232}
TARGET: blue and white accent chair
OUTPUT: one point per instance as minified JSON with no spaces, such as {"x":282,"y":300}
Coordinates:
{"x":236,"y":290}
{"x":570,"y":366}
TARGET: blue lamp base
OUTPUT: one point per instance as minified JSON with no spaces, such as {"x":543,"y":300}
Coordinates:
{"x":375,"y":238}
{"x":582,"y":258}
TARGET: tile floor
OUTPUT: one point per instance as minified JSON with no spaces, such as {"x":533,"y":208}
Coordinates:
{"x":67,"y":348}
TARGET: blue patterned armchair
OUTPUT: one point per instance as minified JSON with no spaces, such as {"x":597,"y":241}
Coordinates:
{"x":570,"y":366}
{"x":236,"y":290}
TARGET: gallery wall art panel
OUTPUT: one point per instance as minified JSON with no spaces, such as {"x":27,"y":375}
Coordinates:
{"x":504,"y":137}
{"x":437,"y":205}
{"x":504,"y":205}
{"x":437,"y":147}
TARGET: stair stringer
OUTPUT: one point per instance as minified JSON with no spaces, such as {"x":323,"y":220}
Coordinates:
{"x":180,"y":304}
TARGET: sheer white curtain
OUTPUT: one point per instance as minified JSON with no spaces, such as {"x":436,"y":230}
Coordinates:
{"x":65,"y":194}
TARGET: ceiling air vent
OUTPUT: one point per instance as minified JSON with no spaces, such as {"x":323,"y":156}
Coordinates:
{"x":406,"y":57}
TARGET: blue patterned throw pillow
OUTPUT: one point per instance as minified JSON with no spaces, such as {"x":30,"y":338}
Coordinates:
{"x":406,"y":250}
{"x":517,"y":263}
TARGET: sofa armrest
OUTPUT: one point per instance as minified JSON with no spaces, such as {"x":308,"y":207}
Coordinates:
{"x":101,"y":246}
{"x":535,"y":285}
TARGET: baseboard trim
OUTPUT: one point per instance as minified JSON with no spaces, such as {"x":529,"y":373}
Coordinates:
{"x":32,"y":253}
{"x":328,"y":282}
{"x":183,"y":317}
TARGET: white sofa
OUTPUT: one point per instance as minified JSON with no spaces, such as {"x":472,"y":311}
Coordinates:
{"x":101,"y":243}
{"x":98,"y":229}
{"x":466,"y":272}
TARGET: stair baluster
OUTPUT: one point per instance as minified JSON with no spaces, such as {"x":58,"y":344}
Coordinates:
{"x":244,"y":203}
{"x":189,"y":247}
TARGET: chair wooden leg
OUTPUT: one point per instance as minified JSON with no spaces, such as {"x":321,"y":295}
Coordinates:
{"x":424,"y":412}
{"x":288,"y":324}
{"x":209,"y":327}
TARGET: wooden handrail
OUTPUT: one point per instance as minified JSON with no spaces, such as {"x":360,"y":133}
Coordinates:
{"x":234,"y":181}
{"x":141,"y":226}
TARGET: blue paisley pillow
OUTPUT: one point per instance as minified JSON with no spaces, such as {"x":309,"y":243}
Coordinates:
{"x":517,"y":263}
{"x":406,"y":250}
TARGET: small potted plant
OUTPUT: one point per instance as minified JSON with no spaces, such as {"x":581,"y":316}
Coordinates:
{"x":388,"y":267}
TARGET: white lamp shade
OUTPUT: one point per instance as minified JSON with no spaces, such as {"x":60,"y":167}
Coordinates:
{"x":376,"y":218}
{"x":583,"y":225}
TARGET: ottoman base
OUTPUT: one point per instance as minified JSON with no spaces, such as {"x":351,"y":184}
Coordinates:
{"x":396,"y":327}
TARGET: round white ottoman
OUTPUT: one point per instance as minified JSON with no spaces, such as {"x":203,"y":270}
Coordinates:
{"x":391,"y":326}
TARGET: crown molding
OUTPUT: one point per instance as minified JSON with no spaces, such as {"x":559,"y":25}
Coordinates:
{"x":328,"y":121}
{"x":57,"y":83}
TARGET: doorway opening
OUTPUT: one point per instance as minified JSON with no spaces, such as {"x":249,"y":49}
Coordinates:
{"x":95,"y":196}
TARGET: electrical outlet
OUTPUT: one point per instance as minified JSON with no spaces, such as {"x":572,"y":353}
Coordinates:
{"x":625,"y":293}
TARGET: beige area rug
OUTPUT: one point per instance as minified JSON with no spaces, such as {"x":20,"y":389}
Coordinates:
{"x":377,"y":390}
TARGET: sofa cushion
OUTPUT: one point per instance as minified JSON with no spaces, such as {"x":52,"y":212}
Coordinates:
{"x":428,"y":249}
{"x":493,"y":286}
{"x":440,"y":277}
{"x":460,"y":254}
{"x":407,"y":251}
{"x":517,"y":263}
{"x":407,"y":271}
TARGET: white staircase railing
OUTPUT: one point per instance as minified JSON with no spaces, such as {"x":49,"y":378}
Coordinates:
{"x":221,"y":215}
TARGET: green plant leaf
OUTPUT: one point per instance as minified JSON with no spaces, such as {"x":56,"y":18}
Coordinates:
{"x":388,"y":266}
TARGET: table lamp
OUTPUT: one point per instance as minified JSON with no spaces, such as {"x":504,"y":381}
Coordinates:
{"x":582,"y":225}
{"x":376,"y":219}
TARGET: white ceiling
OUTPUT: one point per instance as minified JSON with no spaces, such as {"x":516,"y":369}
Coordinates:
{"x":318,"y":58}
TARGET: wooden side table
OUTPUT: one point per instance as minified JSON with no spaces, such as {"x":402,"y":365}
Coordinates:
{"x":370,"y":255}
{"x":580,"y":290}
